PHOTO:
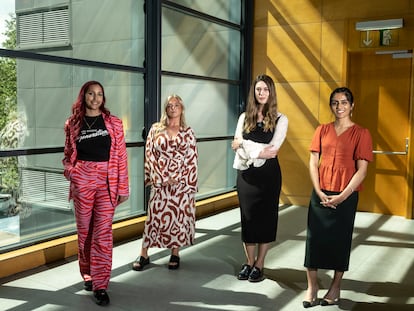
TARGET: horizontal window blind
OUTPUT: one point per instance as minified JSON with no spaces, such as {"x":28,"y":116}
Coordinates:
{"x":42,"y":29}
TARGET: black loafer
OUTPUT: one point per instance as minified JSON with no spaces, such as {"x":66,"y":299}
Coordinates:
{"x":87,"y":285}
{"x":256,"y":275}
{"x":244,"y":272}
{"x":101,"y":297}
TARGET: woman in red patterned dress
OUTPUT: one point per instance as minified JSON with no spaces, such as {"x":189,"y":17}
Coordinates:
{"x":95,"y":162}
{"x":171,"y":171}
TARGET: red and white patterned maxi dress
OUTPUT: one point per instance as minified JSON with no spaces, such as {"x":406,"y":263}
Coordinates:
{"x":170,"y":219}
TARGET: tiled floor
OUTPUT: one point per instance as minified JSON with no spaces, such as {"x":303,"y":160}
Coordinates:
{"x":381,"y":275}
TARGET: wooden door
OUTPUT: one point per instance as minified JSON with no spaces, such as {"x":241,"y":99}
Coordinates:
{"x":381,"y":87}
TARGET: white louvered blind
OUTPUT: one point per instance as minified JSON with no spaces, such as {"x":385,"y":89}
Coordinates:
{"x":42,"y":29}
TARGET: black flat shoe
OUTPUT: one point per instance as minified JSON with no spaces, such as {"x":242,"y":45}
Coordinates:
{"x":174,"y":263}
{"x":309,"y":304}
{"x":256,"y":275}
{"x":329,"y":302}
{"x":101,"y":297}
{"x":140,"y":263}
{"x":87,"y":285}
{"x":244,"y":272}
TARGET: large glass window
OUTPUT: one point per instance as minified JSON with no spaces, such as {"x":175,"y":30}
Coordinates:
{"x":194,"y":46}
{"x":200,"y":61}
{"x":51,"y":47}
{"x":58,"y":46}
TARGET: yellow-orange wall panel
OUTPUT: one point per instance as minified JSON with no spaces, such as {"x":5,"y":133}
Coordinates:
{"x":296,"y":184}
{"x":286,"y":12}
{"x":301,"y":103}
{"x":337,"y":9}
{"x":333,"y":51}
{"x":288,"y":53}
{"x":325,"y":113}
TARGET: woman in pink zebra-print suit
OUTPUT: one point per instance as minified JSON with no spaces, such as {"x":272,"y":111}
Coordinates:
{"x":171,"y":171}
{"x":95,"y":163}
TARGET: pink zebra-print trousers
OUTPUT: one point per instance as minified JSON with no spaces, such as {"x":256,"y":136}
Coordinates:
{"x":94,"y":214}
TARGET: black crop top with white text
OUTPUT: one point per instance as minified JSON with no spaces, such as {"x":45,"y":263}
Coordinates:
{"x":94,"y":141}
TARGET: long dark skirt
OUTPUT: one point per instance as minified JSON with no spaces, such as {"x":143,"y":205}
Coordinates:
{"x":258,"y":190}
{"x":329,"y":233}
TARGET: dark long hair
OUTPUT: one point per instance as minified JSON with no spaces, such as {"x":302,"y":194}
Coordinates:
{"x":269,"y":110}
{"x":348,"y":94}
{"x":79,"y":106}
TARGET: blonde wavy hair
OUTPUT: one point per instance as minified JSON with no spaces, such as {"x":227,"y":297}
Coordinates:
{"x":163,"y":123}
{"x":269,"y":110}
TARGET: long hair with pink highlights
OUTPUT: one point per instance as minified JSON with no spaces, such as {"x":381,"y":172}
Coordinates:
{"x":79,"y":106}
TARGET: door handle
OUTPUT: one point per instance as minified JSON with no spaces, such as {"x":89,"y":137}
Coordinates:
{"x":394,"y":152}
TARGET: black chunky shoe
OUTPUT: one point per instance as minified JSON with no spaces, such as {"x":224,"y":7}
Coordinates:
{"x":87,"y":285}
{"x":256,"y":275}
{"x":244,"y":272}
{"x":140,"y":263}
{"x":101,"y":297}
{"x":174,"y":263}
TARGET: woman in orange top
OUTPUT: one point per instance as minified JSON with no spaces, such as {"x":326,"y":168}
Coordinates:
{"x":340,"y":152}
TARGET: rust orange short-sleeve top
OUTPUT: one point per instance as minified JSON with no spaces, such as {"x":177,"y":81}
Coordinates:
{"x":338,"y":154}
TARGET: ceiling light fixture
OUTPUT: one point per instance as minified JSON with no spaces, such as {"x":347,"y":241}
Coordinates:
{"x":380,"y":24}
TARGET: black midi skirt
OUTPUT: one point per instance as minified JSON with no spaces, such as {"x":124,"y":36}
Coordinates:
{"x":258,"y":190}
{"x":329,"y":233}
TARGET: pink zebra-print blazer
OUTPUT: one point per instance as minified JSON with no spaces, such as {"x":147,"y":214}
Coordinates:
{"x":118,"y":159}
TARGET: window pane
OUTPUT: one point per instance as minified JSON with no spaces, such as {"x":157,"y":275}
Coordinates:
{"x":35,"y":207}
{"x":99,"y":30}
{"x":135,"y":205}
{"x":211,"y":110}
{"x":216,"y":173}
{"x":210,"y":107}
{"x":38,"y":208}
{"x":194,"y":46}
{"x":229,"y":10}
{"x":46,"y":91}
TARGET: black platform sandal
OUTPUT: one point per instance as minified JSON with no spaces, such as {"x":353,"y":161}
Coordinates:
{"x":174,"y":263}
{"x":140,"y":263}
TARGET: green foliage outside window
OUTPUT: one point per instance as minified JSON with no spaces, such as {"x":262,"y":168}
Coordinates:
{"x":10,"y":124}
